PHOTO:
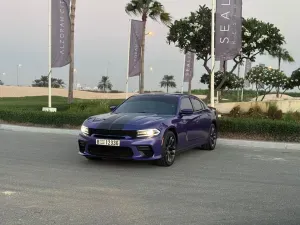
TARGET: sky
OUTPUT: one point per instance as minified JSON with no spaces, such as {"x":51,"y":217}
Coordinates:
{"x":101,"y":41}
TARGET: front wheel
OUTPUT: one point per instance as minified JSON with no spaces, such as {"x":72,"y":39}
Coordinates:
{"x":212,"y":139}
{"x":168,"y":150}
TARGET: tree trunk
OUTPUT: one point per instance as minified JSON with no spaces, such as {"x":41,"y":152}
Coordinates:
{"x":71,"y":70}
{"x":167,"y":88}
{"x":143,"y":58}
{"x":219,"y":87}
{"x":256,"y":92}
{"x":279,"y":65}
{"x":190,"y":87}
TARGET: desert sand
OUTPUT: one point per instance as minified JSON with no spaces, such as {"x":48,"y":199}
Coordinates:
{"x":13,"y":91}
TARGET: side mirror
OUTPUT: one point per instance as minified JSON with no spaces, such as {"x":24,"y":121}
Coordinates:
{"x":112,"y":108}
{"x":186,"y":112}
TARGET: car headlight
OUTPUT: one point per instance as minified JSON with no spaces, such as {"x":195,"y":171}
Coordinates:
{"x":148,"y":133}
{"x":84,"y":130}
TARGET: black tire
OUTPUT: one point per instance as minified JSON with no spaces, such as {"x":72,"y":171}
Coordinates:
{"x":212,"y":139}
{"x":168,"y":150}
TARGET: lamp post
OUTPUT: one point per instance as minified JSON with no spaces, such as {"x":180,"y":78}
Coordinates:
{"x":150,"y":33}
{"x":76,"y":81}
{"x":18,"y":69}
{"x":212,"y":76}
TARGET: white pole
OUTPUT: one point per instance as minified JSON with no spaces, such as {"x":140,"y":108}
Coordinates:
{"x":238,"y":90}
{"x":18,"y":66}
{"x":50,"y":66}
{"x":212,"y":76}
{"x":127,"y":72}
{"x":183,"y":73}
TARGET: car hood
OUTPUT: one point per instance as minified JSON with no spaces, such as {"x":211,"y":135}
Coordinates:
{"x":125,"y":121}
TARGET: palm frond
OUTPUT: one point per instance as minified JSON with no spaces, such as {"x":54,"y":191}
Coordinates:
{"x":135,"y":7}
{"x":172,"y":84}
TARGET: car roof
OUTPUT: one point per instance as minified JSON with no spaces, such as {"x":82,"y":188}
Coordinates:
{"x":178,"y":95}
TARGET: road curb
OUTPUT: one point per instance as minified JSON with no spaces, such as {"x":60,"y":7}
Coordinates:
{"x":260,"y":144}
{"x":38,"y":129}
{"x":222,"y":141}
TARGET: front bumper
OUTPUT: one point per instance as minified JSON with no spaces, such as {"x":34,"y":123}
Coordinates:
{"x":134,"y":149}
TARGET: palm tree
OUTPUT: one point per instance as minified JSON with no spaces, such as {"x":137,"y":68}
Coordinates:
{"x":43,"y":82}
{"x":71,"y":70}
{"x":57,"y":83}
{"x":282,"y":55}
{"x":105,"y":84}
{"x":147,"y":9}
{"x":168,"y":81}
{"x":1,"y":83}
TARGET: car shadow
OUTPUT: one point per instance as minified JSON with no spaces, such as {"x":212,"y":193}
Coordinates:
{"x":120,"y":163}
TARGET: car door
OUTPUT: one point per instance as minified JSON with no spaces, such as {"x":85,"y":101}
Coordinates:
{"x":187,"y":125}
{"x":202,"y":118}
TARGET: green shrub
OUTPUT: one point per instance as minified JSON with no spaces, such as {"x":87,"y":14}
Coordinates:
{"x":235,"y":112}
{"x":278,"y":115}
{"x":278,"y":130}
{"x":256,"y":113}
{"x":272,"y":110}
{"x":93,"y":106}
{"x":288,"y":116}
{"x":292,"y":116}
{"x":58,"y":119}
{"x":296,"y":116}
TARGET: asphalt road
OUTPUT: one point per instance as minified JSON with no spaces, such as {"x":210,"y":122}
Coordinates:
{"x":44,"y":181}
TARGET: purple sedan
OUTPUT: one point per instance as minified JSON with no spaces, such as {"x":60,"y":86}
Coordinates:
{"x":150,"y":127}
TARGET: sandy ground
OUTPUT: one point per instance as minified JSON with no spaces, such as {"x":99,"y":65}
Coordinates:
{"x":272,"y":97}
{"x":12,"y":91}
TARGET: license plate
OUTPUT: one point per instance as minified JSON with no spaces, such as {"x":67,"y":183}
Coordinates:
{"x":107,"y":142}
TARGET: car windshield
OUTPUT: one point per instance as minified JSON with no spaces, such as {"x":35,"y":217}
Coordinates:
{"x":163,"y":105}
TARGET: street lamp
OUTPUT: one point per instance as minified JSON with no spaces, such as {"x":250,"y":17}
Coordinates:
{"x":150,"y":33}
{"x":18,"y":68}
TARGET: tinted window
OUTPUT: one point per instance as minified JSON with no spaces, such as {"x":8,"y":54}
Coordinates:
{"x":186,"y":104}
{"x":164,"y":105}
{"x":197,"y":104}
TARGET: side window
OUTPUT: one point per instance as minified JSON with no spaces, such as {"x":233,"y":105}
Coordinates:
{"x":204,"y":105}
{"x":198,"y":106}
{"x":186,"y":104}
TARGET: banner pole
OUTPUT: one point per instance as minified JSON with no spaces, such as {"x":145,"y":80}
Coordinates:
{"x":49,"y":65}
{"x":183,"y":74}
{"x":212,"y":76}
{"x":127,"y":72}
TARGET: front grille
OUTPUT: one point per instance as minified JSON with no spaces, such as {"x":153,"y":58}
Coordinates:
{"x":113,"y":133}
{"x":108,"y":136}
{"x":82,"y":145}
{"x":146,"y":150}
{"x":110,"y":151}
